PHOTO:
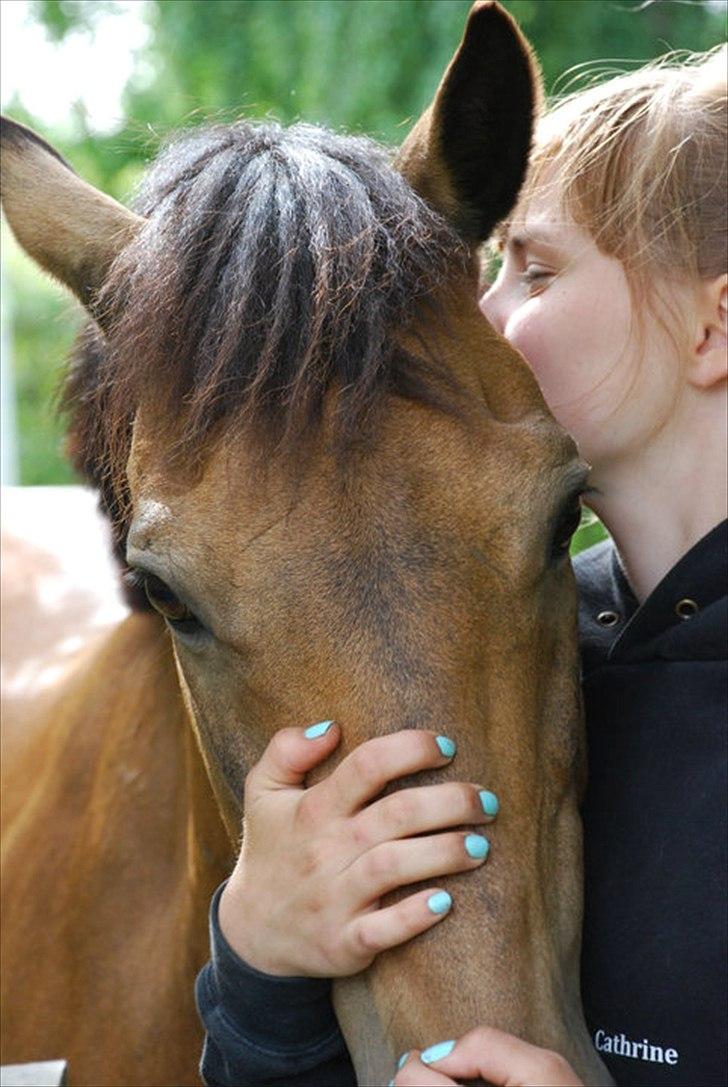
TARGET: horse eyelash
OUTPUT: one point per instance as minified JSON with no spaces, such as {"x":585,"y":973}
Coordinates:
{"x":133,"y":578}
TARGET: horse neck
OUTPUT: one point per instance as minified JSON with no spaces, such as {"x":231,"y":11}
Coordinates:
{"x":117,"y":757}
{"x":507,"y":956}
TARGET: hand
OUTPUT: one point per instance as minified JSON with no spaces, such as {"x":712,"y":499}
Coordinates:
{"x":498,"y":1058}
{"x":303,"y":899}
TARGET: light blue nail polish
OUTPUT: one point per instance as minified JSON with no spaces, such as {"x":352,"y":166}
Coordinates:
{"x":447,"y":746}
{"x":402,"y":1060}
{"x":489,"y":802}
{"x":440,"y":902}
{"x":476,"y":846}
{"x":391,"y":1083}
{"x":314,"y":731}
{"x":437,"y":1052}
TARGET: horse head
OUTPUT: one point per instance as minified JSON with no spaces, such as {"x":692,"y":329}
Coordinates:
{"x":344,"y":494}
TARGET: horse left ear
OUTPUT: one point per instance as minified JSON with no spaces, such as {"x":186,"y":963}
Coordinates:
{"x":468,"y":153}
{"x":71,"y":229}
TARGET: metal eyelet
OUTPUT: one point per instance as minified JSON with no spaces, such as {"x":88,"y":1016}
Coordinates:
{"x":608,"y":618}
{"x":686,"y":608}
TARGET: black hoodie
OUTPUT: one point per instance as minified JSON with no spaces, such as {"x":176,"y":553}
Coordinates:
{"x":655,"y":692}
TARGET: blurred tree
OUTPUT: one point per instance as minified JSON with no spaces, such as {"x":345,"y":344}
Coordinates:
{"x":371,"y":65}
{"x":60,"y":17}
{"x":366,"y":65}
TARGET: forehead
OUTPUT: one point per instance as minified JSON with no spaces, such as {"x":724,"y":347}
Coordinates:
{"x":547,"y":226}
{"x":422,"y":466}
{"x":424,"y":470}
{"x":542,"y":216}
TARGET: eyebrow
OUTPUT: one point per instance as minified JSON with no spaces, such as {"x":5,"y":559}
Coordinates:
{"x":523,"y":236}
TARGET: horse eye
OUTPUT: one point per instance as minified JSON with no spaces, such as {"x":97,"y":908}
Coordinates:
{"x":169,"y":606}
{"x":565,"y":529}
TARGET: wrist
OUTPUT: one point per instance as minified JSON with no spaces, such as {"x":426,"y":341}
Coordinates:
{"x":238,"y":925}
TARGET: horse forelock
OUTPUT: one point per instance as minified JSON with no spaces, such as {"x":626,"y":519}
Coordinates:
{"x":275,"y":265}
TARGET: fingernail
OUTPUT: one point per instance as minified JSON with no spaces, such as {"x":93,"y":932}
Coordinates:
{"x":314,"y":731}
{"x":447,"y":747}
{"x":391,"y":1083}
{"x":437,"y":1052}
{"x":489,"y":802}
{"x":476,"y":846}
{"x":440,"y":902}
{"x":402,"y":1060}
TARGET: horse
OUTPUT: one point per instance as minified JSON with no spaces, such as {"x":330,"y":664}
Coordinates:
{"x":335,"y":492}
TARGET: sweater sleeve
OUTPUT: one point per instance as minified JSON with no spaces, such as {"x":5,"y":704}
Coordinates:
{"x":266,"y":1030}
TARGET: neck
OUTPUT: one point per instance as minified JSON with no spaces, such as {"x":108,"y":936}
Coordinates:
{"x":661,"y":502}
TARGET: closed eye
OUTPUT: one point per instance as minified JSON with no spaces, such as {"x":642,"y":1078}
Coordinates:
{"x":534,"y":276}
{"x":165,"y":601}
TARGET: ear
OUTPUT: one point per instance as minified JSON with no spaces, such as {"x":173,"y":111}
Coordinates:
{"x":710,"y":353}
{"x":67,"y":226}
{"x":468,"y":153}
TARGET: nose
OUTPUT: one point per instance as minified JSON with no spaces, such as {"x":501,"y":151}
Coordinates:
{"x":490,"y":308}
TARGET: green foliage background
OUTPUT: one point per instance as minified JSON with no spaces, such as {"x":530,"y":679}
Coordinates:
{"x":363,"y":65}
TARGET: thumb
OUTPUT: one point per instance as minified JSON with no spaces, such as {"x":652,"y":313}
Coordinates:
{"x":499,"y":1058}
{"x":291,"y":754}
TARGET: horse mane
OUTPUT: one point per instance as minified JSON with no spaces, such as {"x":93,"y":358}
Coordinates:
{"x":275,"y":264}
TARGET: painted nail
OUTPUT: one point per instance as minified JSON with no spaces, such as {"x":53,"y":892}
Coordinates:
{"x":391,"y":1083}
{"x":447,"y":746}
{"x":314,"y":731}
{"x":437,"y":1052}
{"x":489,"y":802}
{"x":402,"y":1060}
{"x":440,"y":902}
{"x":476,"y":846}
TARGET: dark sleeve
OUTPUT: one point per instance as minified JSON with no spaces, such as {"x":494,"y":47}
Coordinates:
{"x":266,"y":1030}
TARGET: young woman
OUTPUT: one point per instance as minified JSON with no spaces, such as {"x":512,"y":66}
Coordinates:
{"x":613,"y":285}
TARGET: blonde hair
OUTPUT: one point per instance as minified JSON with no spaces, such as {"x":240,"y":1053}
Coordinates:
{"x":640,"y":163}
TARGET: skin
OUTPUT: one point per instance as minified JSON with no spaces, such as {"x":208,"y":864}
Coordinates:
{"x":650,"y":416}
{"x":342,"y":853}
{"x":489,"y":1055}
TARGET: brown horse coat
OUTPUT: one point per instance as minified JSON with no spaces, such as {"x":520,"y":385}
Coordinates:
{"x":112,"y":844}
{"x":418,"y":580}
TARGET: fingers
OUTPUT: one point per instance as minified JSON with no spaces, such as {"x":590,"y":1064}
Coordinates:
{"x":290,"y":755}
{"x":490,"y":1054}
{"x":428,"y":807}
{"x":365,"y":772}
{"x":396,"y":864}
{"x":381,"y":929}
{"x":414,"y":1073}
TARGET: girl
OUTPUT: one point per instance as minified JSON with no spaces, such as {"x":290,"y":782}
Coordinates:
{"x":613,"y":285}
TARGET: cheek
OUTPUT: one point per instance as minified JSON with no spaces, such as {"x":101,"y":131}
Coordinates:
{"x":543,"y":331}
{"x":576,"y":347}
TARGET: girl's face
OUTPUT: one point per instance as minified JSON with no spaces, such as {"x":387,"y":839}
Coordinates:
{"x":567,"y":307}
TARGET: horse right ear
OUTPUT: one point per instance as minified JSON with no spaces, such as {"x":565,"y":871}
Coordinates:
{"x":468,"y":153}
{"x":68,"y":227}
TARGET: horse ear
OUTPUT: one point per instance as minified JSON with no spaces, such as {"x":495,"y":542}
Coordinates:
{"x":468,"y":153}
{"x":71,"y":229}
